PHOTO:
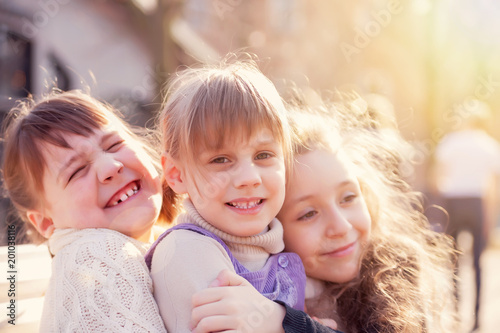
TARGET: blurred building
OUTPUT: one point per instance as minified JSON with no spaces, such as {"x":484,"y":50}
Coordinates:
{"x":424,"y":56}
{"x":74,"y":44}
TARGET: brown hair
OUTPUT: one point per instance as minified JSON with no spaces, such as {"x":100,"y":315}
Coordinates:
{"x":31,"y":124}
{"x":207,"y":106}
{"x":405,"y":279}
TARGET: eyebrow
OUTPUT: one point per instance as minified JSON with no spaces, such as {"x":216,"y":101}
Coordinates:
{"x":76,"y":156}
{"x":266,"y":141}
{"x":308,"y":196}
{"x":263,"y":142}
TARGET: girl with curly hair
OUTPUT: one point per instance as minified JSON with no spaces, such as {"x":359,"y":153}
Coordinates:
{"x":373,"y":262}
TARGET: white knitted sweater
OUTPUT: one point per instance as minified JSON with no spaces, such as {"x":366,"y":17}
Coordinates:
{"x":99,"y":283}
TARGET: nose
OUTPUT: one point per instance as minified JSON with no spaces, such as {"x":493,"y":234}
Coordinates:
{"x":108,"y":168}
{"x":247,"y":175}
{"x":337,"y":222}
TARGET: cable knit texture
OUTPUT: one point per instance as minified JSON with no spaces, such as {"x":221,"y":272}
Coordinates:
{"x":99,"y":283}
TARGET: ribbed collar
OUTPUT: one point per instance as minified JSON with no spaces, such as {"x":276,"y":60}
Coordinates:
{"x":269,"y":241}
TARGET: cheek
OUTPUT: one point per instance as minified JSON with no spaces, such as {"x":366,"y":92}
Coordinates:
{"x":365,"y":226}
{"x":276,"y":175}
{"x":282,"y":178}
{"x":144,"y":162}
{"x":300,"y":241}
{"x":289,"y":237}
{"x":208,"y":190}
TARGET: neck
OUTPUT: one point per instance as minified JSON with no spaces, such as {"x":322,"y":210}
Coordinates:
{"x":146,"y":237}
{"x":270,"y":241}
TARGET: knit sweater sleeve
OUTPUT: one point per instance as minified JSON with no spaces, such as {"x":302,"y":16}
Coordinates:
{"x":296,"y":321}
{"x":183,"y":263}
{"x":100,"y":283}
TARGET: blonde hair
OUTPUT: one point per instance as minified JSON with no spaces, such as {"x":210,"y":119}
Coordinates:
{"x":405,"y":279}
{"x":31,"y":124}
{"x":208,"y":106}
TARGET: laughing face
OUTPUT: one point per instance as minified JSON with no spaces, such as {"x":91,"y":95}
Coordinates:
{"x":325,"y":218}
{"x":104,"y":181}
{"x":241,"y":187}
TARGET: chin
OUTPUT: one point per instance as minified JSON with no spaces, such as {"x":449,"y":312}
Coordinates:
{"x":344,"y":277}
{"x":137,"y":221}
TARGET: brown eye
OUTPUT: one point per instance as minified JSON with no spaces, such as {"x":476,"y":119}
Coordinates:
{"x":263,"y":156}
{"x":308,"y":215}
{"x":349,"y":198}
{"x":219,"y":160}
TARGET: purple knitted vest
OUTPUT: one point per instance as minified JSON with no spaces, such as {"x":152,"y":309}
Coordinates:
{"x":282,"y":278}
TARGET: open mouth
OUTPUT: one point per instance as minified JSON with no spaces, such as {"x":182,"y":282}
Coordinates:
{"x":124,"y":193}
{"x":245,"y":204}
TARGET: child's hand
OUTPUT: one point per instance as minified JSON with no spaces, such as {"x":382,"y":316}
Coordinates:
{"x":232,"y":304}
{"x":327,"y":322}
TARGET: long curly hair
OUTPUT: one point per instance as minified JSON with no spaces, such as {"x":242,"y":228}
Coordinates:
{"x":406,"y":273}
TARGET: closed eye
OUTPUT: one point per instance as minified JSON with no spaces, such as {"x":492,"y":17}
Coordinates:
{"x":115,"y":146}
{"x":76,"y":172}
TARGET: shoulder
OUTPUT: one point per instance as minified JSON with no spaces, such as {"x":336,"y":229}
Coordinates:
{"x":103,"y":246}
{"x":185,"y":244}
{"x":185,"y":255}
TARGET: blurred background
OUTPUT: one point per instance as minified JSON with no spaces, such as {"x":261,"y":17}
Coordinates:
{"x":417,"y":59}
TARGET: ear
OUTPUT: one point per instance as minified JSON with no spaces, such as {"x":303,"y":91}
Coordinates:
{"x":172,"y":174}
{"x":43,"y":224}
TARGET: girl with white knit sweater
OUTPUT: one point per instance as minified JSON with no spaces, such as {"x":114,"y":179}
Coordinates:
{"x":226,"y":146}
{"x":77,"y":173}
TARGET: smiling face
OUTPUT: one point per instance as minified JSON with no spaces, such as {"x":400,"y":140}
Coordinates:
{"x":104,"y":181}
{"x":240,"y":187}
{"x":325,"y":218}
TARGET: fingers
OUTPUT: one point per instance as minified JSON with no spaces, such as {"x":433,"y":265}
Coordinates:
{"x":327,"y":322}
{"x":213,"y":302}
{"x":215,"y":324}
{"x":227,"y":278}
{"x":205,"y":313}
{"x":205,"y":296}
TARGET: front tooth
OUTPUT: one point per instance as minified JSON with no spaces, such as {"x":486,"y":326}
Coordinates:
{"x":123,"y":197}
{"x":130,"y":192}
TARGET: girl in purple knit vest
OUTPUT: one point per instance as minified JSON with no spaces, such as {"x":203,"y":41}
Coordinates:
{"x":226,"y":147}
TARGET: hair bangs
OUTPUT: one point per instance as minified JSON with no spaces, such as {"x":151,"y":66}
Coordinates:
{"x":33,"y":125}
{"x":52,"y":119}
{"x":228,"y":109}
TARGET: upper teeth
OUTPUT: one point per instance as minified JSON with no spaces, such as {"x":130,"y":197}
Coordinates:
{"x":245,"y":205}
{"x":126,"y":195}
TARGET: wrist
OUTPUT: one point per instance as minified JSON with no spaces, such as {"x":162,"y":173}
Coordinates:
{"x":277,"y":317}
